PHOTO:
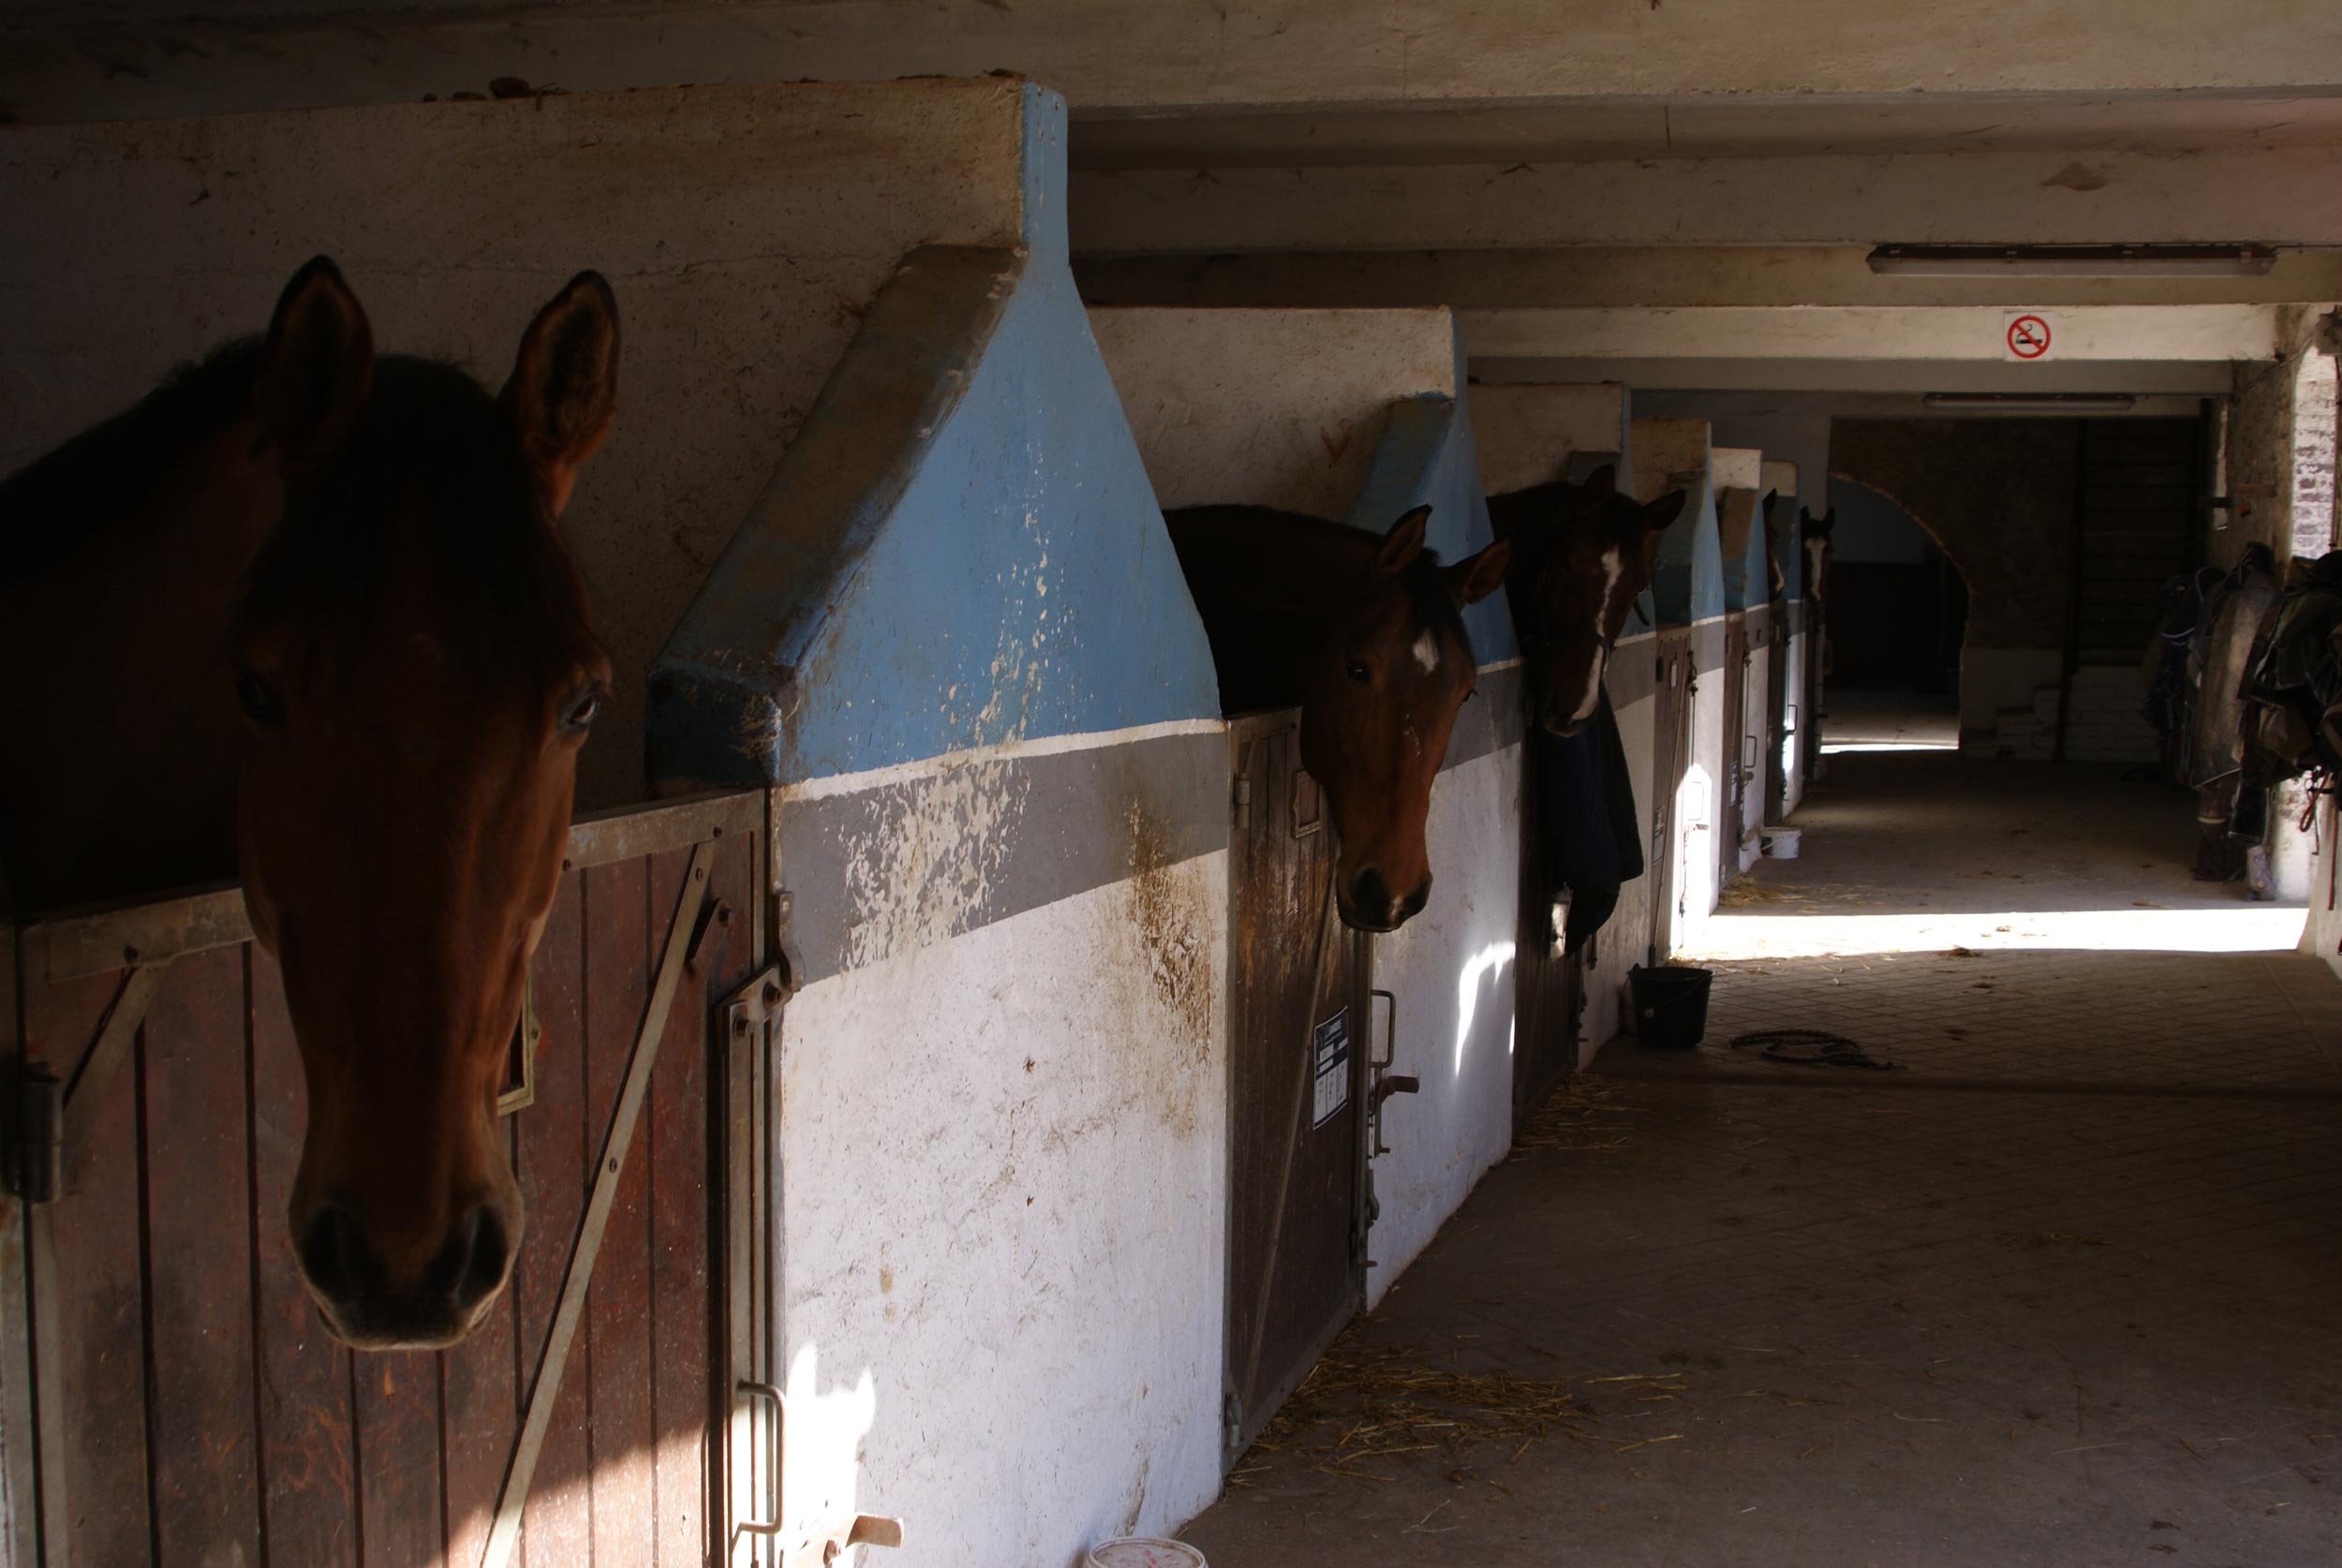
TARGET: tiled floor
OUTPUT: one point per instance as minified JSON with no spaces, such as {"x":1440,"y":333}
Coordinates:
{"x":2068,"y":1290}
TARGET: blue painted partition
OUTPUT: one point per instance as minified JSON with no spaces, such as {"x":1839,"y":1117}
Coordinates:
{"x":1687,"y":583}
{"x":952,"y":641}
{"x":961,"y":549}
{"x":1426,"y":457}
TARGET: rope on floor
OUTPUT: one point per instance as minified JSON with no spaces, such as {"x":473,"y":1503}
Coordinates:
{"x":1809,"y":1048}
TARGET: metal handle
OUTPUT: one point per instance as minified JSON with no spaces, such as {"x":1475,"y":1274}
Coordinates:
{"x":1390,"y":1030}
{"x":767,"y":1391}
{"x":1382,"y":1089}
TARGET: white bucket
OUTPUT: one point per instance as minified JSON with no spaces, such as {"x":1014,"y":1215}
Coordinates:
{"x":1143,"y":1551}
{"x":1781,"y":842}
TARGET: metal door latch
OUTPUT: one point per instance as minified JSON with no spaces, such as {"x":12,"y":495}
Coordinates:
{"x":1385,"y":1083}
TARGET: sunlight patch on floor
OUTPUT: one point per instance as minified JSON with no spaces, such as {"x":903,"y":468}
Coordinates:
{"x":1831,"y":749}
{"x":2256,"y":928}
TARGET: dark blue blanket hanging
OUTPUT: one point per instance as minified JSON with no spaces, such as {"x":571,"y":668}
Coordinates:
{"x":1591,"y":833}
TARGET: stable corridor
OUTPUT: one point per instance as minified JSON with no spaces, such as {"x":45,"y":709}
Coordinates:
{"x":2059,"y":1288}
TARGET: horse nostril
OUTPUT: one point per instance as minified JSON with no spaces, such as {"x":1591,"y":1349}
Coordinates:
{"x":470,"y":1266}
{"x":1370,"y":894}
{"x":334,"y":1256}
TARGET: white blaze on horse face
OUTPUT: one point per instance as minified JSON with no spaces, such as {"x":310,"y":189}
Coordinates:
{"x":1426,"y":651}
{"x":1613,"y":569}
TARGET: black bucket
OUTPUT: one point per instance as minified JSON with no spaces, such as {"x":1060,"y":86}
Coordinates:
{"x":1671,"y":1005}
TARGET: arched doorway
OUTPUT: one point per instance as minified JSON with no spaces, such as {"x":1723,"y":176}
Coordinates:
{"x":1898,"y":614}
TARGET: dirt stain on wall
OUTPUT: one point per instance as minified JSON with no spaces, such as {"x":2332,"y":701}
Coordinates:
{"x":1173,"y":930}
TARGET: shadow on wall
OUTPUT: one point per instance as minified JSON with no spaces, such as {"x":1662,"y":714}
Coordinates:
{"x":1898,"y":601}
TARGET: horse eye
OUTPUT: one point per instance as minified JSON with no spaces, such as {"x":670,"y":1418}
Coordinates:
{"x":581,"y":714}
{"x":1357,"y":670}
{"x":259,"y":699}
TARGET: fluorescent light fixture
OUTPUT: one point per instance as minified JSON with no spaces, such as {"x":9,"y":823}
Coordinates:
{"x":2072,"y":261}
{"x":2035,"y":402}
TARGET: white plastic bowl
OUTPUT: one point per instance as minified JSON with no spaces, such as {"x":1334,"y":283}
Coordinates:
{"x":1143,"y":1551}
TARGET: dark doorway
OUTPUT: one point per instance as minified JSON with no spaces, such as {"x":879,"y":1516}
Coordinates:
{"x":1898,"y":605}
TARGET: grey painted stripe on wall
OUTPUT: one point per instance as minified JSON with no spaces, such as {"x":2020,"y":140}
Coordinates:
{"x":1633,"y":672}
{"x":1708,"y":647}
{"x":885,"y":870}
{"x":1493,"y":720}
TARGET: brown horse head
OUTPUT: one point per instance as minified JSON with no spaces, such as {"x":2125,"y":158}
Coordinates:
{"x":1381,"y":696}
{"x":1585,"y":551}
{"x":417,"y":672}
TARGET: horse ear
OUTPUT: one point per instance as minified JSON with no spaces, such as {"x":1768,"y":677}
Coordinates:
{"x":1660,"y":514}
{"x":564,"y":390}
{"x":1599,"y":487}
{"x":1473,"y":579}
{"x":318,"y":366}
{"x":1403,"y":544}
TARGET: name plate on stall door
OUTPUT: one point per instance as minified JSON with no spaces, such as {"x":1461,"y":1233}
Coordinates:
{"x":1330,"y":1042}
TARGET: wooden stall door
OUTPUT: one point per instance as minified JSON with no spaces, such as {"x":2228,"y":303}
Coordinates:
{"x":187,"y":1405}
{"x":1782,"y":624}
{"x":1671,"y":746}
{"x":1298,"y":1031}
{"x":1732,"y":676}
{"x":1549,"y":985}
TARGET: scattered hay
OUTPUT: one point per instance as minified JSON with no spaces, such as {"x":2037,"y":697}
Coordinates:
{"x":1575,"y":1118}
{"x":1367,"y":1402}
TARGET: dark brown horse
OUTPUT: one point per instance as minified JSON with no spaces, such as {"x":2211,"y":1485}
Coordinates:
{"x":1581,"y":554}
{"x":1365,"y":635}
{"x":303,"y":612}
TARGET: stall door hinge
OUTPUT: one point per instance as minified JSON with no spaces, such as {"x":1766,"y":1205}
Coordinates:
{"x":756,"y":1002}
{"x":1231,"y":1420}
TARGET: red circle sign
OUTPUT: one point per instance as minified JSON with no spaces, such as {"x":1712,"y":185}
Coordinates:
{"x":2028,"y":337}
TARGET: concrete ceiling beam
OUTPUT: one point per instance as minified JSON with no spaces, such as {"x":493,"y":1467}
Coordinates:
{"x":2188,"y":379}
{"x":1567,"y":276}
{"x":2278,"y":196}
{"x":119,"y":58}
{"x":1937,"y":333}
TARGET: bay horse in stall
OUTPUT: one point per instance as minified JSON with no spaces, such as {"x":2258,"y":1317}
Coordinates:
{"x":302,"y":614}
{"x":1366,"y":636}
{"x":1581,"y":556}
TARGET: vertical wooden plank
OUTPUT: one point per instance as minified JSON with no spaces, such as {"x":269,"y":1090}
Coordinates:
{"x":556,"y":1530}
{"x":682,"y":1238}
{"x":481,"y":1413}
{"x":309,"y":1508}
{"x":401,"y":1523}
{"x":90,"y":1333}
{"x":622,"y":940}
{"x":198,"y":1204}
{"x":19,"y":1505}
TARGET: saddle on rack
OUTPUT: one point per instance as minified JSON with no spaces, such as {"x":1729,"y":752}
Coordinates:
{"x":2293,"y":682}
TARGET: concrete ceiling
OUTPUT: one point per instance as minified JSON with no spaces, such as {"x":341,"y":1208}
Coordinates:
{"x":1595,"y":129}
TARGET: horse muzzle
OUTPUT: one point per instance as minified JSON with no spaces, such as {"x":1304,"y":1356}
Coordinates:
{"x":443,"y":1301}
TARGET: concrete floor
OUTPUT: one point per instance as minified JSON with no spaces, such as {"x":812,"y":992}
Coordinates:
{"x":2066,"y":1288}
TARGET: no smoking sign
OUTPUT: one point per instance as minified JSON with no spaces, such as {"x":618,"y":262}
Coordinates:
{"x":2029,"y":334}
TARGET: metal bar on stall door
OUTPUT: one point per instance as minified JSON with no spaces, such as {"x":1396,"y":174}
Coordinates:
{"x":504,"y":1534}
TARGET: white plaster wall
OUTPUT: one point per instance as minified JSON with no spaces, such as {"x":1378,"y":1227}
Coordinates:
{"x":1525,"y":433}
{"x":1701,"y":828}
{"x":1993,"y":681}
{"x":742,"y":228}
{"x":1797,"y":738}
{"x":2323,"y":936}
{"x":1003,"y":1218}
{"x":1451,"y":969}
{"x":1271,"y":408}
